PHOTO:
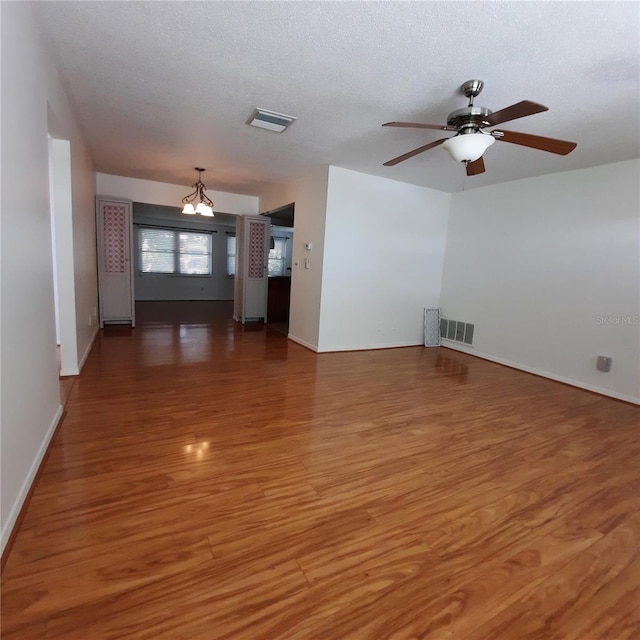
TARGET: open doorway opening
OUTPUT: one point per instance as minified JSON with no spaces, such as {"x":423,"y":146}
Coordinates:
{"x":279,"y":267}
{"x":60,"y":203}
{"x":52,"y":220}
{"x":181,"y":263}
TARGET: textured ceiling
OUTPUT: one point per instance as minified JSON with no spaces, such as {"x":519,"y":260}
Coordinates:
{"x":160,"y":87}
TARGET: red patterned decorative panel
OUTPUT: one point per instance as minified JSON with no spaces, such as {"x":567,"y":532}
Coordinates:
{"x":256,"y":250}
{"x":114,"y":220}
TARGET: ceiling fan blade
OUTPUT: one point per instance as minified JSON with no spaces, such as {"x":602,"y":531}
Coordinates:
{"x":415,"y":152}
{"x":420,"y":125}
{"x":552,"y":145}
{"x":515,"y":111}
{"x":475,"y":167}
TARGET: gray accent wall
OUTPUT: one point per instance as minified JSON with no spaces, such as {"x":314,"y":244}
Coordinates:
{"x":217,"y":286}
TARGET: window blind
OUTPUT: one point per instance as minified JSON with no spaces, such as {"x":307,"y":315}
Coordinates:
{"x":172,"y":251}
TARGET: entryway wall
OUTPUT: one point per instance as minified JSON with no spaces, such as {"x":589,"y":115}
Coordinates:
{"x":30,"y":387}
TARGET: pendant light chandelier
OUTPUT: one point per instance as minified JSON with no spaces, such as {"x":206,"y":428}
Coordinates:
{"x":205,"y":206}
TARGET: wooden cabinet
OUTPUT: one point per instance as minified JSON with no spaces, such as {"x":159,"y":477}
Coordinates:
{"x":115,"y":264}
{"x":278,"y":302}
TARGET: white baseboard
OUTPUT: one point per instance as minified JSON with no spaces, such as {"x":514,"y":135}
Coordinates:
{"x":371,"y":347}
{"x":304,"y":343}
{"x":70,"y":371}
{"x":356,"y":347}
{"x":28,"y":481}
{"x":85,"y":355}
{"x":456,"y":346}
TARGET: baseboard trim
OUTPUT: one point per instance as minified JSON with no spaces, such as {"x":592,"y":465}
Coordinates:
{"x":302,"y":342}
{"x":366,"y":347}
{"x":73,"y":371}
{"x":16,"y":514}
{"x":372,"y":347}
{"x":87,"y":350}
{"x":449,"y":344}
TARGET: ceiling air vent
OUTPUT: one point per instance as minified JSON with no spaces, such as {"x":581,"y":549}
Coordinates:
{"x":271,"y":120}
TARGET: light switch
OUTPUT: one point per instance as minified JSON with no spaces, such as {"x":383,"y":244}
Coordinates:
{"x":307,"y":263}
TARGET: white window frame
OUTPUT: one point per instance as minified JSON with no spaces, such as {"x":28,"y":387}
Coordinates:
{"x":176,"y":253}
{"x":231,"y":256}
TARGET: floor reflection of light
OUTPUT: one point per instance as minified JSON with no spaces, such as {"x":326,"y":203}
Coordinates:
{"x":198,"y":449}
{"x":194,"y":343}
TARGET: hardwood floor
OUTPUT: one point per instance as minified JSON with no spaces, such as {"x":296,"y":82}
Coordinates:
{"x":217,"y":482}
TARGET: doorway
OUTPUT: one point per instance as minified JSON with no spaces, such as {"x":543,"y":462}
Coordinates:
{"x":280,"y":267}
{"x":60,"y":206}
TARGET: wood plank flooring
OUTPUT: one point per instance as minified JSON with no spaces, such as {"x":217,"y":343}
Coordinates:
{"x":217,"y":482}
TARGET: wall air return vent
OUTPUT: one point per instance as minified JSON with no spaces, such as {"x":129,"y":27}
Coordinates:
{"x":451,"y":330}
{"x":270,"y":120}
{"x":457,"y":331}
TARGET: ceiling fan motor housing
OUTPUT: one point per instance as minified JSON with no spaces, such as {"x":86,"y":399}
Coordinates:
{"x":472,"y":88}
{"x":469,"y":119}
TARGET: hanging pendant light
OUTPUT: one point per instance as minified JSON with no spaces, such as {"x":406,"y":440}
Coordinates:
{"x":205,"y":206}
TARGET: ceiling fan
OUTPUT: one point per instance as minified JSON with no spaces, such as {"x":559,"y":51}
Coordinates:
{"x":471,"y":139}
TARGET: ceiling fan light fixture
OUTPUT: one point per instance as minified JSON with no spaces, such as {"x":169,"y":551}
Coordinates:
{"x":468,"y":147}
{"x":471,"y":141}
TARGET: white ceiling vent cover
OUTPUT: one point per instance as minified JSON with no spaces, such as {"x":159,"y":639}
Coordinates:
{"x":271,"y":120}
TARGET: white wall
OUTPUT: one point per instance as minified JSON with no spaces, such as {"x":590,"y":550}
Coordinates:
{"x":547,"y":268}
{"x":170,"y":195}
{"x":384,"y":251}
{"x":310,"y":196}
{"x":29,"y":376}
{"x":85,"y":259}
{"x":79,"y":224}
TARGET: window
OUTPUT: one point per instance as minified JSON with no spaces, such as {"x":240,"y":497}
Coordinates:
{"x":231,"y":254}
{"x":174,"y":251}
{"x":277,"y":256}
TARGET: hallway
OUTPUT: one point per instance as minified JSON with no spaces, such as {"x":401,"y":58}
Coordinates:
{"x":211,"y":481}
